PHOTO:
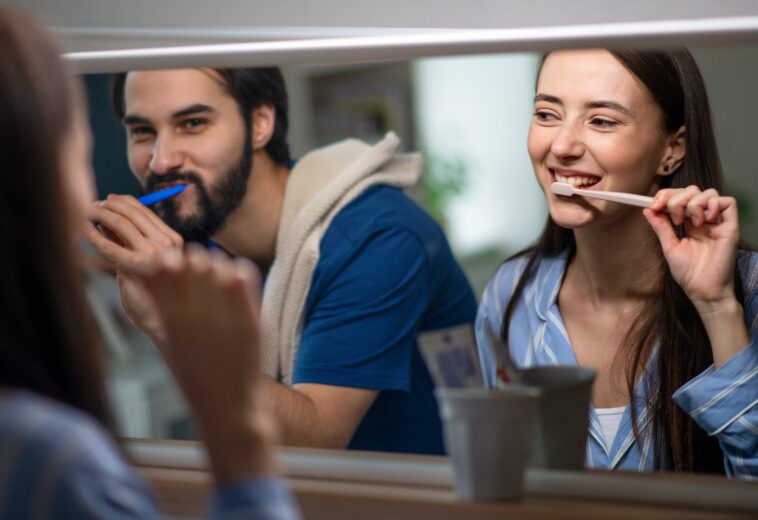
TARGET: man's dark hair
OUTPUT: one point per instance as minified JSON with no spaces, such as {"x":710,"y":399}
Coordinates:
{"x":251,"y":88}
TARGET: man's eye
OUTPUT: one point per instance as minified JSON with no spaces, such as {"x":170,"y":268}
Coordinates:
{"x":194,"y":123}
{"x":544,"y":116}
{"x":140,"y":131}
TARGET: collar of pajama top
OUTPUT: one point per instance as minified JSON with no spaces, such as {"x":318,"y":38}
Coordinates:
{"x":538,"y":337}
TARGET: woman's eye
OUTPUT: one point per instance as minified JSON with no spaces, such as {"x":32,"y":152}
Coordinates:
{"x":544,"y":116}
{"x":601,"y":122}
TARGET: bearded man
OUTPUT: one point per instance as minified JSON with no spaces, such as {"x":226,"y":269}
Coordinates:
{"x":354,"y":269}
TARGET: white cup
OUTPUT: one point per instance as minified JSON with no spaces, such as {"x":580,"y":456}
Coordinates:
{"x":488,"y":434}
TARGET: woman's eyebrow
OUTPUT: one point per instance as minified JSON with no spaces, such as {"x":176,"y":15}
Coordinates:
{"x":613,"y":105}
{"x":548,"y":98}
{"x":609,"y":104}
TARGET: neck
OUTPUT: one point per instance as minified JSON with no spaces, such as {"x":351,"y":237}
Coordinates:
{"x":250,"y":230}
{"x":615,"y":263}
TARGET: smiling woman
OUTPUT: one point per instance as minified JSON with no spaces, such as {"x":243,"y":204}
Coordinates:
{"x":652,"y":300}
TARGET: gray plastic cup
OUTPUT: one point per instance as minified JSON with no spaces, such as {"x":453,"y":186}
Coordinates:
{"x":488,"y":434}
{"x":564,"y":415}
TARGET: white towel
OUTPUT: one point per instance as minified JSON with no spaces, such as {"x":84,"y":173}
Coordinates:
{"x":322,"y":183}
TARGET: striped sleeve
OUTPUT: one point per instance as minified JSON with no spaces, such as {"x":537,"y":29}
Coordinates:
{"x":724,"y":400}
{"x":57,"y":463}
{"x":257,"y":498}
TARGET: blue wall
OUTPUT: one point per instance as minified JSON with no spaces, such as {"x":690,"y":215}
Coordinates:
{"x":109,"y":159}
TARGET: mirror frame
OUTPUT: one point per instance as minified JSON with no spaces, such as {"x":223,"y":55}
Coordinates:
{"x":392,"y":47}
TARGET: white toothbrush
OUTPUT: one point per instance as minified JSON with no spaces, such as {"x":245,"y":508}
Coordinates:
{"x":563,"y":188}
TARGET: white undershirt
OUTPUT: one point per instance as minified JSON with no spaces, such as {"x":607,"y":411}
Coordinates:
{"x":610,"y":418}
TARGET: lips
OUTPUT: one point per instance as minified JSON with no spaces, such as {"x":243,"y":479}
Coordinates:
{"x":578,"y":179}
{"x":165,"y":185}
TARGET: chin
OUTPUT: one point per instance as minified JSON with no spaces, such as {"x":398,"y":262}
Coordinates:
{"x":186,"y":209}
{"x":571,"y":216}
{"x":186,"y":213}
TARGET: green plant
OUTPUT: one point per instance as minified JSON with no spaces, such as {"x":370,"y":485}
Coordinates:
{"x":443,"y":178}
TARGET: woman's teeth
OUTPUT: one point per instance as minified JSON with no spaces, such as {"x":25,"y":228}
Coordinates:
{"x":577,"y":180}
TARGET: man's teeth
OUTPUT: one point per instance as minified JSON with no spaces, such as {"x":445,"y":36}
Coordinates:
{"x":576,"y":180}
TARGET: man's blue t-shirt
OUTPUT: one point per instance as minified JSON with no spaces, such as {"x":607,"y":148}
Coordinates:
{"x":385,"y":273}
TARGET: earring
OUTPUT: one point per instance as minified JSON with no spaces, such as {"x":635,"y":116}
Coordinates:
{"x":666,"y":168}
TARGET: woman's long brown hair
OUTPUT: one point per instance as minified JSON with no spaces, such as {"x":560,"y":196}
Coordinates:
{"x":674,"y":81}
{"x":48,"y":343}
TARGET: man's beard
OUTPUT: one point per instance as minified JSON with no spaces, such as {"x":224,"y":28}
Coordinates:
{"x":214,"y":204}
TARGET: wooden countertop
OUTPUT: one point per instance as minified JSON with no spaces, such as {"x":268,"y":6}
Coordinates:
{"x":366,"y":486}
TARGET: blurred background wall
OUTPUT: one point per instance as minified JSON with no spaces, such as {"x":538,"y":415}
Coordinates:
{"x":469,"y":117}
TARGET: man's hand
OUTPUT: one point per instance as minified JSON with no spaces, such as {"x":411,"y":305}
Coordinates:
{"x":131,"y":237}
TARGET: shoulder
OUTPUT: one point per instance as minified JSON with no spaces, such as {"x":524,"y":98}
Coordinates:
{"x":384,"y":207}
{"x":499,"y":291}
{"x":502,"y":285}
{"x":382,"y":222}
{"x":44,"y":421}
{"x":62,"y":456}
{"x":545,"y":277}
{"x":45,"y":427}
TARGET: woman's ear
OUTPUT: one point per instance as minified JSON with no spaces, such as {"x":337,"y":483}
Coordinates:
{"x":676,"y":148}
{"x":263,"y":123}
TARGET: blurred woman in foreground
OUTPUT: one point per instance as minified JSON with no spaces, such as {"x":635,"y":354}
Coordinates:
{"x":57,"y":457}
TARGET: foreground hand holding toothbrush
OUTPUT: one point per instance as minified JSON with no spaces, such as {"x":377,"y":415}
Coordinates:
{"x":218,"y":364}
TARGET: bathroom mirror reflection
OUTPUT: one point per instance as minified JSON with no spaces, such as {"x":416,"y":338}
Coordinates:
{"x":469,"y":117}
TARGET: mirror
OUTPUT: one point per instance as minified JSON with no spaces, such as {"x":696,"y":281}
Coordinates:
{"x":467,"y":147}
{"x":469,"y":116}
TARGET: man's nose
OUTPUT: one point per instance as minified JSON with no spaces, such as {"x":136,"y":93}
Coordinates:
{"x":569,"y":141}
{"x":167,"y":155}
